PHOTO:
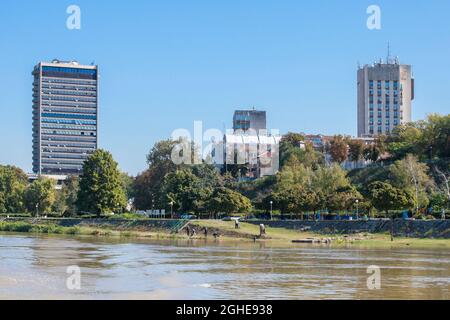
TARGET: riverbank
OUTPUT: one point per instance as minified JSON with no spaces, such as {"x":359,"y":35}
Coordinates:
{"x":285,"y":235}
{"x":217,"y":231}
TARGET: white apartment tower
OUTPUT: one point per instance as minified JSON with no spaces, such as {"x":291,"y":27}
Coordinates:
{"x":385,"y":95}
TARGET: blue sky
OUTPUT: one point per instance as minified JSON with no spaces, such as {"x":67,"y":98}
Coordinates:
{"x":166,"y":64}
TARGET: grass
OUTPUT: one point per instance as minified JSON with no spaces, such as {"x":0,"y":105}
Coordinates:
{"x":253,"y":230}
{"x":279,"y":235}
{"x":26,"y":227}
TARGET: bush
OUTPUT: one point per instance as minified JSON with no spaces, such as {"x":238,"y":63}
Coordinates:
{"x":15,"y":226}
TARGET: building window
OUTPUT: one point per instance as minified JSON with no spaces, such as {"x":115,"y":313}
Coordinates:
{"x":395,"y":85}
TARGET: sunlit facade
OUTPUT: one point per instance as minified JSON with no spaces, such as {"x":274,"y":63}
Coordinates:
{"x":65,"y":116}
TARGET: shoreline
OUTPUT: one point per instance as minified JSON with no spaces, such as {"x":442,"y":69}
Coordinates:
{"x":247,"y":233}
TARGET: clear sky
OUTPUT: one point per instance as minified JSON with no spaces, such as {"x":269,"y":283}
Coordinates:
{"x":165,"y":64}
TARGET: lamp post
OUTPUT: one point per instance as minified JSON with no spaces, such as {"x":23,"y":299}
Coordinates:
{"x":357,"y":209}
{"x":271,"y":209}
{"x":37,"y":210}
{"x":171,"y":209}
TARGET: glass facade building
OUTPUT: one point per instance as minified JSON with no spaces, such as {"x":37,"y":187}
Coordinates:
{"x":65,"y":116}
{"x":244,"y":120}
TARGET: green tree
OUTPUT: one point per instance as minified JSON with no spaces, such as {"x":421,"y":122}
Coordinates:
{"x":436,"y":136}
{"x":127,"y":184}
{"x":330,"y":179}
{"x":411,"y":175}
{"x":385,"y":197}
{"x":224,"y":200}
{"x":101,"y":188}
{"x":66,"y":198}
{"x":289,"y":199}
{"x":147,"y":186}
{"x":13,"y":182}
{"x":439,"y":201}
{"x":40,"y":196}
{"x":405,"y":139}
{"x":291,"y":148}
{"x":186,"y":191}
{"x":343,"y":199}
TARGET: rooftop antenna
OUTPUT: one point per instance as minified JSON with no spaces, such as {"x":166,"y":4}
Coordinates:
{"x":389,"y":53}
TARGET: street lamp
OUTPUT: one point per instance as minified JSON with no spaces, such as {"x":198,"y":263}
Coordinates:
{"x":357,"y":209}
{"x":37,"y":209}
{"x":271,"y":209}
{"x":171,"y":209}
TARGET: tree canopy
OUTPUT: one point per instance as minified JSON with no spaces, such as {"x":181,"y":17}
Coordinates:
{"x":13,"y":182}
{"x":101,"y":190}
{"x":40,"y":196}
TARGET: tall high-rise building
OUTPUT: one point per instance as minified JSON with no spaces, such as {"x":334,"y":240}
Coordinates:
{"x":65,"y":116}
{"x":385,"y":95}
{"x":245,"y":120}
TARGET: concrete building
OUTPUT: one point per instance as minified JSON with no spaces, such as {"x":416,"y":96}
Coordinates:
{"x":65,"y":116}
{"x":385,"y":95}
{"x":245,"y":120}
{"x":59,"y":180}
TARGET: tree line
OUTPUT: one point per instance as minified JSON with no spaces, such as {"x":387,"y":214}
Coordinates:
{"x":409,"y":171}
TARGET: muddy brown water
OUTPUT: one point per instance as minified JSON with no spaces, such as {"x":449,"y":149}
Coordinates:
{"x":35,"y":267}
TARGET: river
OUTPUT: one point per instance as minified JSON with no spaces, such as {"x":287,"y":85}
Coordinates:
{"x":35,"y":267}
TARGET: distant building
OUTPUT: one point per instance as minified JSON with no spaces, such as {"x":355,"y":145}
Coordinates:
{"x":321,"y":143}
{"x":258,"y":153}
{"x":245,"y":120}
{"x":318,"y":141}
{"x":59,"y":180}
{"x":385,"y":95}
{"x":65,"y":116}
{"x":248,"y":146}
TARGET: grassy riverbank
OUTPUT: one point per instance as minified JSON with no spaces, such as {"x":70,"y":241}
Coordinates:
{"x":26,"y":227}
{"x":227,"y":231}
{"x":286,"y":235}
